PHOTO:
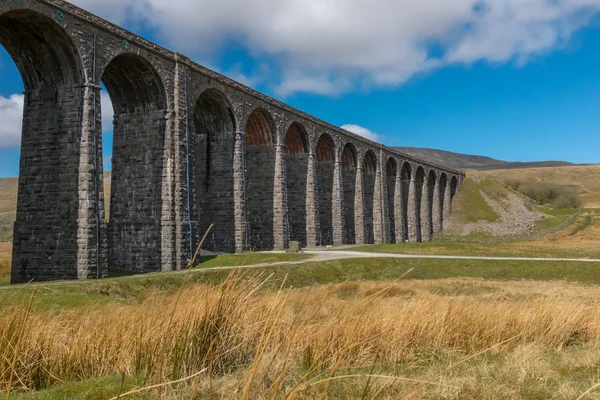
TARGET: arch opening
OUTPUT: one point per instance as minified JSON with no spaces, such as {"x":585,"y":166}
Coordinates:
{"x":369,"y":180}
{"x":405,"y":176}
{"x":139,"y":102}
{"x":212,"y":144}
{"x":349,"y":177}
{"x":443,"y":185}
{"x":260,"y":175}
{"x":428,"y":223}
{"x":325,"y":172}
{"x":296,"y":148}
{"x":419,"y":181}
{"x":52,"y":77}
{"x":391,"y":171}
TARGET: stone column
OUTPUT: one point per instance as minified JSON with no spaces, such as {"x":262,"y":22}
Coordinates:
{"x":447,"y":206}
{"x":239,"y":192}
{"x":378,"y":204}
{"x":279,"y":205}
{"x":425,"y":214}
{"x":338,"y":201}
{"x":398,"y":207}
{"x":437,"y":209}
{"x":183,"y":242}
{"x":413,"y":225}
{"x":168,"y":224}
{"x":359,"y":219}
{"x":312,"y":208}
{"x":91,"y":235}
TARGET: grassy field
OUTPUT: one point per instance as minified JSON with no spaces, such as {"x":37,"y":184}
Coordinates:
{"x":585,"y":178}
{"x":342,"y":329}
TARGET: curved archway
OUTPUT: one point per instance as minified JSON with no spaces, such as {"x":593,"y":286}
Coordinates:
{"x":427,"y":207}
{"x":46,"y":230}
{"x":391,"y":171}
{"x":443,"y":185}
{"x":349,"y":165}
{"x":419,"y":181}
{"x":296,"y":150}
{"x":405,"y":177}
{"x":369,"y":180}
{"x":211,"y":143}
{"x":260,"y":175}
{"x":139,"y":102}
{"x":325,"y":171}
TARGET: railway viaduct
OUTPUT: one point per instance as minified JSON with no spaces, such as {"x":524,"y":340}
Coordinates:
{"x":191,"y":148}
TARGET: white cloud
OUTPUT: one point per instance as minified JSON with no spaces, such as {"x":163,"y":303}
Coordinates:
{"x":361,"y":131}
{"x":333,"y":46}
{"x":11,"y":116}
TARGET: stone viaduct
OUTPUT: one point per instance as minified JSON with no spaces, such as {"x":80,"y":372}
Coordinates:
{"x":191,"y":148}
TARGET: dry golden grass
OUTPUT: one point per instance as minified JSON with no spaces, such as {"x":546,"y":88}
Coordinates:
{"x":585,"y":178}
{"x":5,"y":257}
{"x":260,"y":344}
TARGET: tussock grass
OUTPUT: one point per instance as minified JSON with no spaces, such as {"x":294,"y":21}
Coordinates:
{"x":406,"y":339}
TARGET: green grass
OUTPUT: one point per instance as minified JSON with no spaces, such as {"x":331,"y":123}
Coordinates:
{"x":470,"y":206}
{"x":132,"y":290}
{"x":478,"y":249}
{"x":582,"y":225}
{"x":249,"y":259}
{"x":555,"y":217}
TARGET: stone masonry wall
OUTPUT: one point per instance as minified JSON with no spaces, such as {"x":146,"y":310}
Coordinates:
{"x":260,"y":164}
{"x":369,"y":178}
{"x":325,"y":197}
{"x":297,"y":169}
{"x":349,"y":174}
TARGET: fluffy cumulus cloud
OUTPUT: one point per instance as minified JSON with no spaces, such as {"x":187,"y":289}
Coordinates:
{"x":333,"y":46}
{"x":361,"y":131}
{"x":11,"y":116}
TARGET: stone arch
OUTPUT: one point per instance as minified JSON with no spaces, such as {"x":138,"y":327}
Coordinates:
{"x":427,"y":206}
{"x":296,"y":150}
{"x":349,"y":164}
{"x":369,"y":187}
{"x":405,"y":178}
{"x":51,"y":70}
{"x":260,"y":158}
{"x":260,"y":128}
{"x":325,"y":157}
{"x":419,"y":182}
{"x":139,"y":101}
{"x":391,"y":172}
{"x":443,"y":182}
{"x":211,"y":145}
{"x":453,"y":186}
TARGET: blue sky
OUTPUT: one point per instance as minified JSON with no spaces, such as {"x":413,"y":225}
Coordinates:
{"x":511,"y":79}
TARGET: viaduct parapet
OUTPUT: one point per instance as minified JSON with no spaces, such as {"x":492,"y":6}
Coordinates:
{"x":191,"y":148}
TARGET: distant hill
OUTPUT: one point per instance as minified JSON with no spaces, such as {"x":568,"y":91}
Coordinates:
{"x":467,"y":161}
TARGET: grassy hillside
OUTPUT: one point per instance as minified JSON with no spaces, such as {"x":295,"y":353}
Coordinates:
{"x":472,"y":162}
{"x":585,"y":178}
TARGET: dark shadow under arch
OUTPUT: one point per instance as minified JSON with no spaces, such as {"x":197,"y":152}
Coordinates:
{"x":419,"y":181}
{"x":369,"y":180}
{"x":212,"y":144}
{"x":325,"y":172}
{"x":349,"y":165}
{"x":296,"y":149}
{"x":391,"y":170}
{"x":140,"y":104}
{"x":405,"y":176}
{"x":260,"y":157}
